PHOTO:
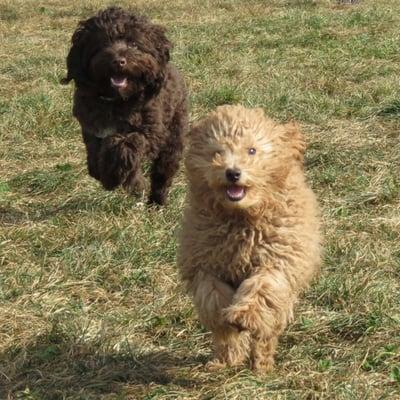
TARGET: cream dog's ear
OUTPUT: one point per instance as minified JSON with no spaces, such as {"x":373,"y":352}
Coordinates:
{"x":295,"y":141}
{"x":259,"y":112}
{"x":204,"y":126}
{"x":196,"y":129}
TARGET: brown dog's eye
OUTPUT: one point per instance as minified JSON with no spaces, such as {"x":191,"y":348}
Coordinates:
{"x":252,"y":151}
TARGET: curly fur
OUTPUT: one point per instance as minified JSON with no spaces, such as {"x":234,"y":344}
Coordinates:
{"x":245,"y":262}
{"x":129,"y":100}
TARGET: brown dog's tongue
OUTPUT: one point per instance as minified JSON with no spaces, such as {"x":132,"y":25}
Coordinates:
{"x":119,"y":82}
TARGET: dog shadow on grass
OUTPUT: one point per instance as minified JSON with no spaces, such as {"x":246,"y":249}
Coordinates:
{"x":54,"y":369}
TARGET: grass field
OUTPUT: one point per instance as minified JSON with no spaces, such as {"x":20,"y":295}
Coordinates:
{"x":90,"y":303}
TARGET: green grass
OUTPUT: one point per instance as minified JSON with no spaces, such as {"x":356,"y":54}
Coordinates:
{"x":90,"y":301}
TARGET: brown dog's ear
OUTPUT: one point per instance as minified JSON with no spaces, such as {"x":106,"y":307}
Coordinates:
{"x":154,"y":82}
{"x":161,"y":43}
{"x":162,"y":47}
{"x":82,"y":40}
{"x":295,"y":141}
{"x":75,"y":68}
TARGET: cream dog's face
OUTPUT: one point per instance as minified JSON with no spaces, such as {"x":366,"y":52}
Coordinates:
{"x":239,"y":157}
{"x":236,"y":167}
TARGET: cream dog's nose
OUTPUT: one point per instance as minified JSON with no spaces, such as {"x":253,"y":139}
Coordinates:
{"x":233,"y":174}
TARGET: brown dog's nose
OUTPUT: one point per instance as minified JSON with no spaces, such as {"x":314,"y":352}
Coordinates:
{"x":120,"y":61}
{"x":233,"y":174}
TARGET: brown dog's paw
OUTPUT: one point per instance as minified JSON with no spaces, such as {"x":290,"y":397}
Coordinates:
{"x":135,"y":185}
{"x":157,"y":198}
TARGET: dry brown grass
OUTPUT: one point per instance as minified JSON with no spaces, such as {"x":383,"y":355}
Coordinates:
{"x":90,"y":303}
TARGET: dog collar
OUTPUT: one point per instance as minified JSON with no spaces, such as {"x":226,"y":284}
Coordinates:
{"x":108,"y":99}
{"x":111,"y":99}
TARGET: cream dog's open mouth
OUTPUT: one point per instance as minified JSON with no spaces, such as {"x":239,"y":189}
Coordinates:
{"x":119,"y":82}
{"x":235,"y":192}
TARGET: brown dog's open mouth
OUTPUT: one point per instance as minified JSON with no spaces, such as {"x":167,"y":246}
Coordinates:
{"x":119,"y":82}
{"x":235,"y":192}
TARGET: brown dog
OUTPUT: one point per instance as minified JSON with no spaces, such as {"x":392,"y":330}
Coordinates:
{"x":250,"y":241}
{"x":129,"y":100}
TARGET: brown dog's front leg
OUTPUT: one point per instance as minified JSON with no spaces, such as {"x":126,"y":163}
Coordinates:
{"x":93,"y":146}
{"x":119,"y":160}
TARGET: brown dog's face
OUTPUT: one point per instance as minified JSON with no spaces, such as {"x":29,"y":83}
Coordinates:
{"x":238,"y":157}
{"x":122,"y":68}
{"x":118,"y":54}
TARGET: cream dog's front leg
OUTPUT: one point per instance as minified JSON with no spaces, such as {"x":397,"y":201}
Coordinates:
{"x":211,"y":295}
{"x":263,"y":304}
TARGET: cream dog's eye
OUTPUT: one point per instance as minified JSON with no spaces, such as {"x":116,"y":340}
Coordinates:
{"x":218,"y":153}
{"x":252,"y":151}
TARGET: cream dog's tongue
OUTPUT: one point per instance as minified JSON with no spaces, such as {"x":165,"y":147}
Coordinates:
{"x":119,"y":82}
{"x":235,"y":192}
